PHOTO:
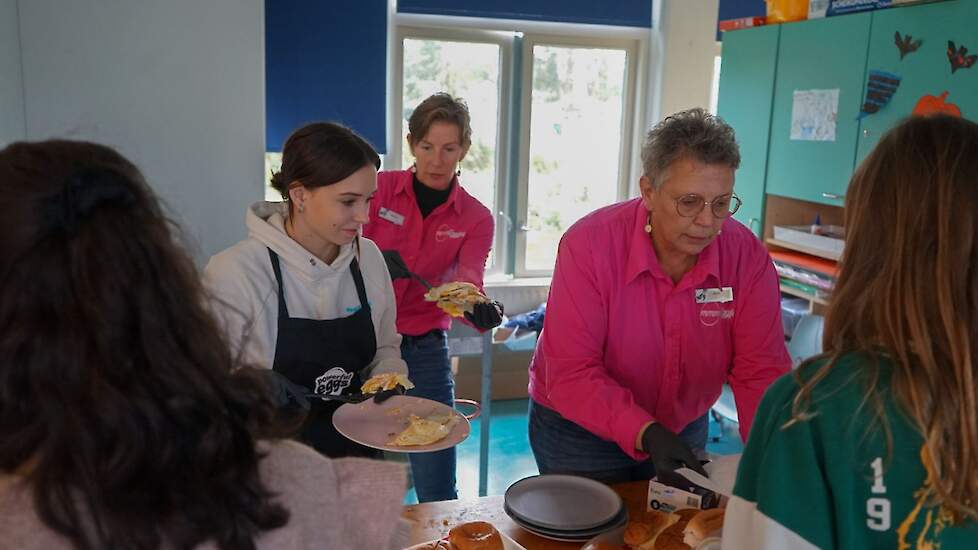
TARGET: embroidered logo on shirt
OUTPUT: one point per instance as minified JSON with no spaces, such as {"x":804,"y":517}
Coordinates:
{"x":391,"y":216}
{"x":333,"y":381}
{"x":712,"y":312}
{"x":445,"y":232}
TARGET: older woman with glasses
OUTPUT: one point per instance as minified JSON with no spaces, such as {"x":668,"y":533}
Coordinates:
{"x":656,"y":302}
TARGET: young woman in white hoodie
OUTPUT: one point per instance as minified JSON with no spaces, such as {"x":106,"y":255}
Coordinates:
{"x":305,"y":294}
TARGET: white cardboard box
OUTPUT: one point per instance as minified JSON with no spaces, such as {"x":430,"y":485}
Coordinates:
{"x":666,"y":498}
{"x":707,"y":492}
{"x":829,"y":239}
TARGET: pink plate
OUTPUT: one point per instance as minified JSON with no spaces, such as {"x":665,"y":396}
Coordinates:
{"x":374,"y":425}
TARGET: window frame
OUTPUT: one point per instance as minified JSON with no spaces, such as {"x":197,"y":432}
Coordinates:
{"x":517,"y":37}
{"x":715,"y":82}
{"x":625,"y":151}
{"x":398,"y":130}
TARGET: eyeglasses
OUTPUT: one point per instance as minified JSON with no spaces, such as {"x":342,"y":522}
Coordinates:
{"x":724,"y":206}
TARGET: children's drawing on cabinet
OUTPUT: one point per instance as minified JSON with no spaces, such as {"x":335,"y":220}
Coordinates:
{"x":814,"y":114}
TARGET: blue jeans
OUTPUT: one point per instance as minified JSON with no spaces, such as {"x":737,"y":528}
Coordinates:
{"x":430,"y":370}
{"x":562,"y":447}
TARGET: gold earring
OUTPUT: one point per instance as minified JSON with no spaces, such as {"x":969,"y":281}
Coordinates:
{"x":302,"y":207}
{"x":648,"y":224}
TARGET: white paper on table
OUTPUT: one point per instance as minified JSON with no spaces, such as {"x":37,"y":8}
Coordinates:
{"x":814,"y":114}
{"x":722,"y":471}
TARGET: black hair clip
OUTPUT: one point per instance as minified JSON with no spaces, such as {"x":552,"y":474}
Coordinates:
{"x":82,"y":193}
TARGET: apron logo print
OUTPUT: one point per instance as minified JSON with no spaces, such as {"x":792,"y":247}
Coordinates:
{"x":333,"y":381}
{"x":358,"y":307}
{"x":445,"y":232}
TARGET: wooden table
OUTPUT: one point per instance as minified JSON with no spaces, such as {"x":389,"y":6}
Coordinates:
{"x":432,"y":520}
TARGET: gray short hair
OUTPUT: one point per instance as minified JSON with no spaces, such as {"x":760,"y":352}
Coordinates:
{"x":694,"y":132}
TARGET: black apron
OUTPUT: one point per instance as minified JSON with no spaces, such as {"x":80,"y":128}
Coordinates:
{"x":325,"y":356}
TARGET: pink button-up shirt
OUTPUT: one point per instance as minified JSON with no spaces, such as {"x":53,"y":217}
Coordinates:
{"x":451,"y":244}
{"x":622,"y":345}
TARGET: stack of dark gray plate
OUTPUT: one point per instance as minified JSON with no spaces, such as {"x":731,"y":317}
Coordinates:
{"x":564,"y":508}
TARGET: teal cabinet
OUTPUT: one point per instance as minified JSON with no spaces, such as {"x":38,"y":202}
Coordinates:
{"x":822,"y":54}
{"x":746,"y":92}
{"x":925,"y":71}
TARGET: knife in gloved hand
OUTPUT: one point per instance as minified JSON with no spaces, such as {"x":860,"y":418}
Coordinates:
{"x":399,"y":269}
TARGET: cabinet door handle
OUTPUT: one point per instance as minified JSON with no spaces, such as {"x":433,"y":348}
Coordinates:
{"x":866,"y":132}
{"x":750,"y":223}
{"x":832,"y":196}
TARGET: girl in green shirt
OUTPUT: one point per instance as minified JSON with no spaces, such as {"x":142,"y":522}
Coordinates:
{"x":874,"y":444}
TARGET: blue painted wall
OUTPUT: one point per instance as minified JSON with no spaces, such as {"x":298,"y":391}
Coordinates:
{"x":325,"y":60}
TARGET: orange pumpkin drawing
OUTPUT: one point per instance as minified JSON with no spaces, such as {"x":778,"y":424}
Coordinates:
{"x":932,"y":105}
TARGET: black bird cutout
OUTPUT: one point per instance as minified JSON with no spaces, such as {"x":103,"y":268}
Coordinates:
{"x":959,"y":57}
{"x":906,"y":44}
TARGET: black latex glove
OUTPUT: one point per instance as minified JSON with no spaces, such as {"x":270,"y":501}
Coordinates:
{"x":486,"y":315}
{"x":285,"y":393}
{"x":399,"y":270}
{"x":396,"y":265}
{"x":384,"y":395}
{"x":669,"y":453}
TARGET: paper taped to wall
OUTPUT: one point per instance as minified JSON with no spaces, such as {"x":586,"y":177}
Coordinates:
{"x":813,"y":115}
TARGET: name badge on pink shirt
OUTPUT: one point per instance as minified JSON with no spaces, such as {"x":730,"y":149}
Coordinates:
{"x":714,"y":295}
{"x":391,"y":216}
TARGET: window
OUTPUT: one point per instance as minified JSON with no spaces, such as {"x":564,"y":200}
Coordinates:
{"x":463,"y":69}
{"x":551,"y":141}
{"x":575,"y":145}
{"x":715,"y":85}
{"x":472,"y":66}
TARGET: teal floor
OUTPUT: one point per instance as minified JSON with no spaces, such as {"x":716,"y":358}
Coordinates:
{"x":510,"y":458}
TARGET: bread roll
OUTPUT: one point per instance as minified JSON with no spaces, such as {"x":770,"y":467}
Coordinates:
{"x":672,"y":537}
{"x":686,"y":514}
{"x":704,"y":524}
{"x":475,"y":535}
{"x":641,"y":534}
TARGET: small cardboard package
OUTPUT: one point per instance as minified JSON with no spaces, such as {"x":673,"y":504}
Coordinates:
{"x":666,"y":498}
{"x":699,"y":492}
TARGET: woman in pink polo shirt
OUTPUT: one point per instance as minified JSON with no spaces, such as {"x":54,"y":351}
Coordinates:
{"x":655,"y":303}
{"x":443,"y":234}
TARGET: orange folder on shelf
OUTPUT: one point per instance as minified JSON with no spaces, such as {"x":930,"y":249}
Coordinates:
{"x":806,"y":261}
